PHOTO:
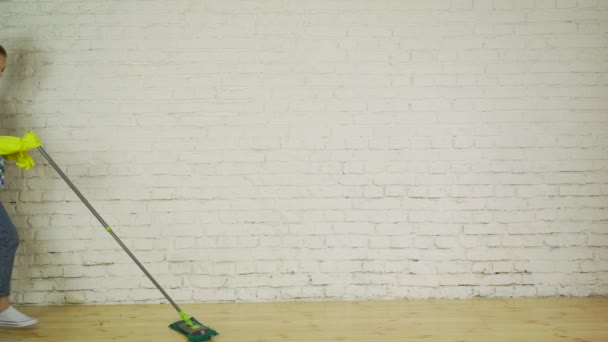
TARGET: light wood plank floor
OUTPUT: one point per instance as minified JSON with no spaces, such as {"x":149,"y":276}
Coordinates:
{"x":547,"y":319}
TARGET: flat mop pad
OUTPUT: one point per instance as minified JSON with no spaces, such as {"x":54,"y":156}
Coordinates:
{"x":195,"y":332}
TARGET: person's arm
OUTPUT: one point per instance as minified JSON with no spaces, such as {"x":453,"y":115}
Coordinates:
{"x":14,"y":148}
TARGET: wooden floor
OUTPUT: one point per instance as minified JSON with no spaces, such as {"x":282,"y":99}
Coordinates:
{"x":550,"y":319}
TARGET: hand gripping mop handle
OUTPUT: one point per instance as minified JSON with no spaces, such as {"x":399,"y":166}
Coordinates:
{"x":184,"y":316}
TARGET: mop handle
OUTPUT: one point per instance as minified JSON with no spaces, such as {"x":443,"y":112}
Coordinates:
{"x":106,"y":226}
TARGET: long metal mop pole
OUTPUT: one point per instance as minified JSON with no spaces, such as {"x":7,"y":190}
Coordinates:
{"x":106,"y":226}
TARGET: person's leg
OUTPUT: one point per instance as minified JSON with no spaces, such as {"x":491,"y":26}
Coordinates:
{"x":4,"y":303}
{"x":9,"y":241}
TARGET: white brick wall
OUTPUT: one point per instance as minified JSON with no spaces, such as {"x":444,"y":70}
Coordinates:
{"x":307,"y":150}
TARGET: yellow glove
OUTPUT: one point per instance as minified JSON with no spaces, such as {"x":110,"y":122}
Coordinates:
{"x":24,"y":160}
{"x":13,"y":148}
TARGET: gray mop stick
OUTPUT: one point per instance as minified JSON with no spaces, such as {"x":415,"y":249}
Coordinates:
{"x":107,"y":227}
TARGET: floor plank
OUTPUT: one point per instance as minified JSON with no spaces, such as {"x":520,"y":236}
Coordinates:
{"x":539,"y":319}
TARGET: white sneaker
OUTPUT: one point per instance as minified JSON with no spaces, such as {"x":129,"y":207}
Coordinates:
{"x":11,"y":317}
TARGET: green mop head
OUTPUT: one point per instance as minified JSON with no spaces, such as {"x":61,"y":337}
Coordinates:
{"x":194,"y":331}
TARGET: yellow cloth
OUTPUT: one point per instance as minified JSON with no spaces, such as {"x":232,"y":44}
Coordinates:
{"x":14,"y":148}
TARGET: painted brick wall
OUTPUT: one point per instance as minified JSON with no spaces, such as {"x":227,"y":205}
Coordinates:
{"x":310,"y":150}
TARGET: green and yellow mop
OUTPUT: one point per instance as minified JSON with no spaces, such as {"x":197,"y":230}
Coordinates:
{"x":15,"y":149}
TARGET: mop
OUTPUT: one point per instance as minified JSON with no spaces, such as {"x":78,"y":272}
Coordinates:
{"x":189,"y":326}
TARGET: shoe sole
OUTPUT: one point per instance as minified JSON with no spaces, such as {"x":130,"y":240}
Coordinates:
{"x":10,"y":324}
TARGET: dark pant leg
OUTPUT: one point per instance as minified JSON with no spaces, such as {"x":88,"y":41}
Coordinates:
{"x":9,"y":241}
